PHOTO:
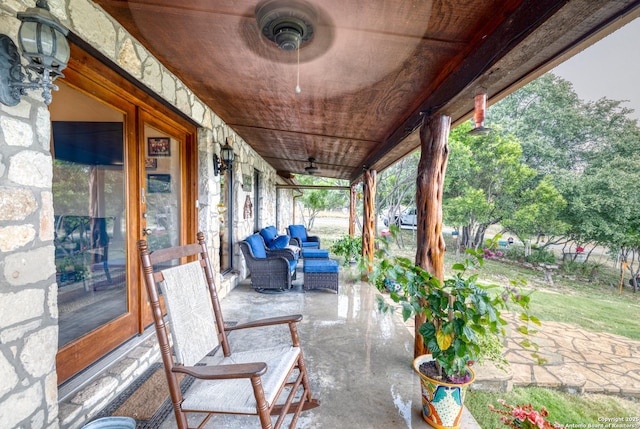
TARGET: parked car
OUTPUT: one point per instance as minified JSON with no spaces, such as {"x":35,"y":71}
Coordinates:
{"x":407,"y":217}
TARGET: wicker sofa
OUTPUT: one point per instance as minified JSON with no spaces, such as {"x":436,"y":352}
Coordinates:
{"x":271,"y":270}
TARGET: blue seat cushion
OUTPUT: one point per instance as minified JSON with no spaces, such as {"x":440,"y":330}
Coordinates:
{"x":257,"y":246}
{"x":320,"y":266}
{"x":280,"y":242}
{"x":269,"y":233}
{"x":315,"y":253}
{"x":298,"y":231}
{"x":310,"y":245}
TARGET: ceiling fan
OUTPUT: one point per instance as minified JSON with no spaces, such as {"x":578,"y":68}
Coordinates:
{"x":311,"y":169}
{"x":292,"y":26}
{"x":288,"y":24}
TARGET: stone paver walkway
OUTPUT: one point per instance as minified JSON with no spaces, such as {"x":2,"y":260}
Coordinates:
{"x":577,"y":361}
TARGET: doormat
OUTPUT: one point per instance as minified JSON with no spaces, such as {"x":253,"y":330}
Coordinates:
{"x":147,"y":399}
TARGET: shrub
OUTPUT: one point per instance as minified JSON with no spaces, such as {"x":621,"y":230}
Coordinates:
{"x":541,"y":256}
{"x":537,"y":256}
{"x":350,"y":248}
{"x":585,"y":270}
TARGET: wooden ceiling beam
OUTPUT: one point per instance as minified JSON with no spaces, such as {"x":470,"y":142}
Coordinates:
{"x":512,"y":31}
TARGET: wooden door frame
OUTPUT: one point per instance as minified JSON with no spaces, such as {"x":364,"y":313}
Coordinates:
{"x":89,"y":73}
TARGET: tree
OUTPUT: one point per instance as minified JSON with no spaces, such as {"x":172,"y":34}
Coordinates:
{"x":603,"y":206}
{"x":485,"y":182}
{"x":538,"y":212}
{"x":314,"y":201}
{"x":396,"y":186}
{"x":558,"y":131}
{"x":586,"y":149}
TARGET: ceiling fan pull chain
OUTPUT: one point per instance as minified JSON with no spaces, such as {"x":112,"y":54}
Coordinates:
{"x":298,"y":90}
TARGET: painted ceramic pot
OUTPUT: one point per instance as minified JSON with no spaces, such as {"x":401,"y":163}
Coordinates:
{"x":442,"y":403}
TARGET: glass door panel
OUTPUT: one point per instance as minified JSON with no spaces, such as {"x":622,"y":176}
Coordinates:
{"x":164,"y":189}
{"x":90,"y":213}
{"x":223,"y":218}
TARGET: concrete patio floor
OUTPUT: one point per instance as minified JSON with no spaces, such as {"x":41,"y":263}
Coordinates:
{"x":359,"y":360}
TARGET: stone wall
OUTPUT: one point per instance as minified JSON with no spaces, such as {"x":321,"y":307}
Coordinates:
{"x":28,"y":292}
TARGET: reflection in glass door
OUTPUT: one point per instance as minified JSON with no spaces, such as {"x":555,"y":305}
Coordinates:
{"x":90,"y":213}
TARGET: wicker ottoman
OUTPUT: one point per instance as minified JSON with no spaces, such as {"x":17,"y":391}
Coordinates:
{"x":315,"y":254}
{"x":320,"y":274}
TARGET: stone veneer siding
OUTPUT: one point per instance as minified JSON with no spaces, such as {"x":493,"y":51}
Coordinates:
{"x":28,"y":292}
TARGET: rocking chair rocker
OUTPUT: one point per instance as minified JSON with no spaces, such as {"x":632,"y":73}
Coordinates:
{"x":250,"y":382}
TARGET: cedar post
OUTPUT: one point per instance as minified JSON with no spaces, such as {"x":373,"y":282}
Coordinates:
{"x":369,"y":217}
{"x":434,"y":136}
{"x":352,"y":211}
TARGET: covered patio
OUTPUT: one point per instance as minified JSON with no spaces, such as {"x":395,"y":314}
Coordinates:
{"x":183,"y":81}
{"x":359,"y":360}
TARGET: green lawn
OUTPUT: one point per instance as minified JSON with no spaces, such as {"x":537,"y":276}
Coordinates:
{"x":614,"y":315}
{"x":563,"y":408}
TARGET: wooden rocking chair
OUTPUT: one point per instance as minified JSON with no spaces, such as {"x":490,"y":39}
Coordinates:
{"x":249,"y":382}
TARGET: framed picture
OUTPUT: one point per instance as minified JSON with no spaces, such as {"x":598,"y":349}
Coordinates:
{"x":151,"y":163}
{"x":159,"y":183}
{"x":159,"y":146}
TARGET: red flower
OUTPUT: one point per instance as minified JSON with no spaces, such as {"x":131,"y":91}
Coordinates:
{"x":523,"y":416}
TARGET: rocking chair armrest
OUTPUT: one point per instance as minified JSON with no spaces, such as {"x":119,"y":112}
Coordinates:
{"x":221,"y":372}
{"x":293,"y":318}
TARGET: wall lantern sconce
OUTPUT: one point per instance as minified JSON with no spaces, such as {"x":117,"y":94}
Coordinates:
{"x":226,"y":158}
{"x":479,"y":110}
{"x":43,"y":42}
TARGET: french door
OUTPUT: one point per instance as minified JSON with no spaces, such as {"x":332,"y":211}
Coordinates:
{"x":123,"y":170}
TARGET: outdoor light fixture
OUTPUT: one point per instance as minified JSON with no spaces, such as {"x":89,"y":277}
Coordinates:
{"x":311,"y":169}
{"x":226,"y":158}
{"x":480,"y":107}
{"x":43,"y":42}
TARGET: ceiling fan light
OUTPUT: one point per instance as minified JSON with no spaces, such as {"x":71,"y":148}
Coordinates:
{"x":286,"y":23}
{"x":288,"y":39}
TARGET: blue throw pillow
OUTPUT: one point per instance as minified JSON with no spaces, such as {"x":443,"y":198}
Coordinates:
{"x":280,"y":242}
{"x":257,"y":246}
{"x":298,"y":231}
{"x":269,"y":233}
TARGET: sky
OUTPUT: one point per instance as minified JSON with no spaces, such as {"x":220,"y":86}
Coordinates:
{"x":609,"y":68}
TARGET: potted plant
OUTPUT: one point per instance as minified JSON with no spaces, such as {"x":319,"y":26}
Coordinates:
{"x":71,"y":268}
{"x":463,"y":325}
{"x":350,"y":248}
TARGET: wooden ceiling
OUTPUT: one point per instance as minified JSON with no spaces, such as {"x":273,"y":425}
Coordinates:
{"x":371,"y":71}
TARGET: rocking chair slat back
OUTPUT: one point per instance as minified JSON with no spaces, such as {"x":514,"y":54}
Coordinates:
{"x":191,"y":319}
